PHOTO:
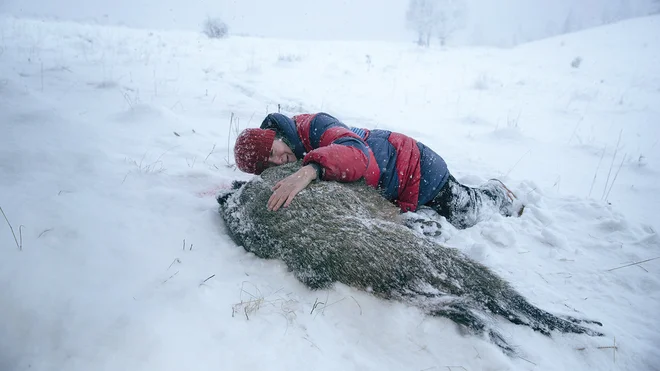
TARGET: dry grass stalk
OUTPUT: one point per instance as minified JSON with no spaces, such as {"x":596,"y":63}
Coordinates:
{"x":635,"y":263}
{"x":612,"y":164}
{"x":19,"y":240}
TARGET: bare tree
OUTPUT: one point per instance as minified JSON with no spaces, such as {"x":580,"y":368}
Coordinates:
{"x":439,"y":18}
{"x":450,"y":17}
{"x":655,"y":9}
{"x":419,"y":18}
{"x":215,"y":28}
{"x":569,"y":22}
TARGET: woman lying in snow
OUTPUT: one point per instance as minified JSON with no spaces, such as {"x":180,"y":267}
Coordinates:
{"x":405,"y":171}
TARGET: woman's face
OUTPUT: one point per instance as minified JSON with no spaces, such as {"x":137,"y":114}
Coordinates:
{"x":281,"y":154}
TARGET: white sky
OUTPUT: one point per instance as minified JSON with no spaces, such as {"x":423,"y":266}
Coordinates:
{"x":502,"y":22}
{"x":317,"y":19}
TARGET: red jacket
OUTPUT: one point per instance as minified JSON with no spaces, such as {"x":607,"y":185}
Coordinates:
{"x":406,"y":172}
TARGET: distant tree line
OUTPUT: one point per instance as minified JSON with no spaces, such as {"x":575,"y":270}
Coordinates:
{"x":439,"y":20}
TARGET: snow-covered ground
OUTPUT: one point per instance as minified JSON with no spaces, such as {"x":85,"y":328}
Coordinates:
{"x":113,"y":142}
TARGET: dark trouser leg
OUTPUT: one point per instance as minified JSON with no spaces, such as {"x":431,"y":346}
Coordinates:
{"x":465,"y":206}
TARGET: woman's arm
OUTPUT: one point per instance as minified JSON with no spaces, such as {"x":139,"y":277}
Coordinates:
{"x":341,"y":153}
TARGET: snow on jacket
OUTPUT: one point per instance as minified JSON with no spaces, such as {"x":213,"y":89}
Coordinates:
{"x":406,"y":171}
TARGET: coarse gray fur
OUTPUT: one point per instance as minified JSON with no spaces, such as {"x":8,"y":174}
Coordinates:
{"x":348,"y":233}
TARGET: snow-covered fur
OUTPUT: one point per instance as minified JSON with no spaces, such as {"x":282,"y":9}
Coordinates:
{"x":348,"y":233}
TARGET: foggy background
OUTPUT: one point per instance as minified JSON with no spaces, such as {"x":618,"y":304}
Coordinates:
{"x":487,"y":22}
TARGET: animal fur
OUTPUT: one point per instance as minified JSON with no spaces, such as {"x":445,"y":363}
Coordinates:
{"x":348,"y":233}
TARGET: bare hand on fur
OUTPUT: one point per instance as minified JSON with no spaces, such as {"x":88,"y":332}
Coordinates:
{"x":287,"y":188}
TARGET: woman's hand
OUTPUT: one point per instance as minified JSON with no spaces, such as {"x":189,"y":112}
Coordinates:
{"x":287,"y":188}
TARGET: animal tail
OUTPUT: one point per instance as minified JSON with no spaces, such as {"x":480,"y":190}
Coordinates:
{"x":519,"y":311}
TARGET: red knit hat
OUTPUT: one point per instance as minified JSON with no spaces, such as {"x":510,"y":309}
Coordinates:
{"x":252,"y":150}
